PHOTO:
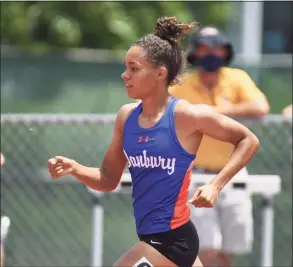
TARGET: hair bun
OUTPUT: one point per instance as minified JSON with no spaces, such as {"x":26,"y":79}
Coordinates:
{"x":172,"y":29}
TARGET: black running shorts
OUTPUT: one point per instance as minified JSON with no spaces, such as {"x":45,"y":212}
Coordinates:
{"x":179,"y":245}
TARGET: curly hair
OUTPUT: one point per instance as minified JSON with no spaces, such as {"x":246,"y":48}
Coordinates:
{"x":162,"y":47}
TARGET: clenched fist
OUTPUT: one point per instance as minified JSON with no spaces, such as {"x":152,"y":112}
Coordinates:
{"x":205,"y":196}
{"x":2,"y":160}
{"x":60,"y":166}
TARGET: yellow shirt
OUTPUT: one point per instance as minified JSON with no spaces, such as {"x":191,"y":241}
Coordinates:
{"x":235,"y":87}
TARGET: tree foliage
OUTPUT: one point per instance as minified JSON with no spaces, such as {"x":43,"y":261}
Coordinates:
{"x":41,"y":25}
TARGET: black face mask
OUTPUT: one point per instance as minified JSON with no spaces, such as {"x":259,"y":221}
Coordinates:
{"x":210,"y":63}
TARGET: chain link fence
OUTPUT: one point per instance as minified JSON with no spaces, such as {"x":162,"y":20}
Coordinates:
{"x":51,"y":223}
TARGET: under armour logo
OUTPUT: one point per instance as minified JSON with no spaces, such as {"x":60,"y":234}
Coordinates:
{"x":145,"y":139}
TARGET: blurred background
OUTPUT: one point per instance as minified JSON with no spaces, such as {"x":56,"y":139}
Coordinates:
{"x":66,"y":58}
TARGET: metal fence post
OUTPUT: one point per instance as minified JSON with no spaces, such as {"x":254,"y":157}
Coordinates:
{"x":267,"y":237}
{"x":97,"y":228}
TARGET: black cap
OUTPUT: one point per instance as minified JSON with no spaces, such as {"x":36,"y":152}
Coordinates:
{"x":210,"y":36}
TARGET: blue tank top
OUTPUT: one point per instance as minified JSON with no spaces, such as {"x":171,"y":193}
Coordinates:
{"x":160,"y":169}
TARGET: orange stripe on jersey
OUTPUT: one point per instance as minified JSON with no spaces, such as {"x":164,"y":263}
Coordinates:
{"x":182,"y":210}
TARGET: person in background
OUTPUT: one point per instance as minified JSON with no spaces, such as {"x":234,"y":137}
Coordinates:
{"x":226,"y":229}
